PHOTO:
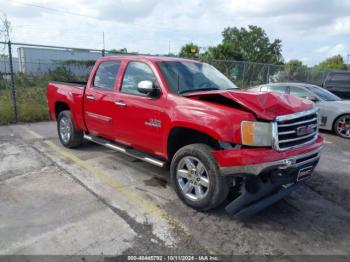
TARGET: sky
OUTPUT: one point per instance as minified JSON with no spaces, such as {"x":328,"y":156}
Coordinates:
{"x":310,"y":30}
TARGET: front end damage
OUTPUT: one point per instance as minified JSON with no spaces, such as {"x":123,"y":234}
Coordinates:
{"x":264,"y":184}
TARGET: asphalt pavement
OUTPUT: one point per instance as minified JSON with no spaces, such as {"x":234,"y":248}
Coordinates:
{"x":92,"y":200}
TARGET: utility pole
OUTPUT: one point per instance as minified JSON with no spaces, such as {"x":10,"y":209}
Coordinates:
{"x":347,"y":61}
{"x":103,"y":44}
{"x":13,"y":86}
{"x":169,"y":47}
{"x":6,"y":29}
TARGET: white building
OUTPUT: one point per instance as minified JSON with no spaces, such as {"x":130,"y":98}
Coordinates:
{"x":5,"y":65}
{"x":35,"y":61}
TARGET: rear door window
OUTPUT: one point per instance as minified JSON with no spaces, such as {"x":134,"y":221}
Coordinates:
{"x":299,"y":92}
{"x":277,"y":89}
{"x":263,"y":89}
{"x":106,"y":75}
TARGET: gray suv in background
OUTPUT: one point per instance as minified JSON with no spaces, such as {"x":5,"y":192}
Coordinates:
{"x":338,"y":83}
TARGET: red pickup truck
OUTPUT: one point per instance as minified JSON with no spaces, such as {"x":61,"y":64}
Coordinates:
{"x":186,"y":115}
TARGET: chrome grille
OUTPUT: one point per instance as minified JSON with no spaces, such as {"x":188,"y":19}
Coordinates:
{"x":296,"y":130}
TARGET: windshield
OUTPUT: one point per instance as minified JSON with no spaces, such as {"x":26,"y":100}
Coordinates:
{"x":323,"y":94}
{"x":183,"y":77}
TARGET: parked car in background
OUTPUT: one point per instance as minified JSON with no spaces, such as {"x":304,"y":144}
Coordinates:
{"x":338,"y":83}
{"x":334,"y":112}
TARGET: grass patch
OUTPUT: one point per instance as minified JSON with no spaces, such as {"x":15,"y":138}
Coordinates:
{"x":31,"y":105}
{"x":30,"y":96}
{"x":6,"y":111}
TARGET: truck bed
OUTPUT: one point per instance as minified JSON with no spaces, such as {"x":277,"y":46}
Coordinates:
{"x":71,"y":83}
{"x":69,"y":93}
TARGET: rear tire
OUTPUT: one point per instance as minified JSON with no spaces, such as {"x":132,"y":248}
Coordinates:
{"x":342,"y":131}
{"x":68,"y":134}
{"x":196,"y":177}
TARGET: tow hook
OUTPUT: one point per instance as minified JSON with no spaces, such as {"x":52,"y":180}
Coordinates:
{"x":287,"y":163}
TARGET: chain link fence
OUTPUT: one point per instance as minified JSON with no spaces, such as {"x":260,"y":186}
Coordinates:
{"x":247,"y":74}
{"x":25,"y":70}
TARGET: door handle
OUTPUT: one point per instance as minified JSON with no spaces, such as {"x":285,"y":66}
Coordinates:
{"x":120,"y":103}
{"x":90,"y":97}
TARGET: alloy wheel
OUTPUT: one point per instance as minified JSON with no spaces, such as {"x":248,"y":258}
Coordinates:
{"x":343,"y":126}
{"x":65,"y":129}
{"x":192,"y":178}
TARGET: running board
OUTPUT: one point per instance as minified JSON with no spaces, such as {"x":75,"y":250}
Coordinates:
{"x":127,"y":151}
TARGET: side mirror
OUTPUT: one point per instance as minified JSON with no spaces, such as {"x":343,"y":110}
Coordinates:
{"x":146,"y":87}
{"x":312,"y":98}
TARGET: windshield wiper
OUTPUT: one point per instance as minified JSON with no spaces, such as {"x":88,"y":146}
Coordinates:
{"x":198,"y":90}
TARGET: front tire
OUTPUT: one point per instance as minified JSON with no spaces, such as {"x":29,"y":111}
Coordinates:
{"x":342,"y":126}
{"x":196,"y":177}
{"x":68,"y":134}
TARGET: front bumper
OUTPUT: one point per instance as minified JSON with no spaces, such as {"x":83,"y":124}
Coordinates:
{"x":262,"y":182}
{"x":293,"y":162}
{"x":256,"y":161}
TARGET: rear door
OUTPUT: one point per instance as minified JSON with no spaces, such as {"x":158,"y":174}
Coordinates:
{"x":99,"y":106}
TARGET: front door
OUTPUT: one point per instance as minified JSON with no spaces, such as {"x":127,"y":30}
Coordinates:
{"x":141,"y":118}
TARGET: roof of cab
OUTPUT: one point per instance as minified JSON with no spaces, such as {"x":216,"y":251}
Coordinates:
{"x":147,"y":58}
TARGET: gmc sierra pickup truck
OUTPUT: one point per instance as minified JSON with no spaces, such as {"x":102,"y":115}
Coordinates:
{"x":187,"y":116}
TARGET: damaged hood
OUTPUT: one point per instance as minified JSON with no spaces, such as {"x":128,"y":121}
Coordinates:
{"x":264,"y":105}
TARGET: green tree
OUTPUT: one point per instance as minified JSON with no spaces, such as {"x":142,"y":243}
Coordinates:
{"x":120,"y":51}
{"x":189,"y":50}
{"x":294,"y":70}
{"x":295,"y":65}
{"x":223,"y":51}
{"x":253,"y":44}
{"x":61,"y":74}
{"x":250,"y":44}
{"x":332,"y":63}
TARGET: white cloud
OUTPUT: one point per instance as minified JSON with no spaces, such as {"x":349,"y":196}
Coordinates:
{"x":147,"y":26}
{"x":322,"y":49}
{"x":265,"y":8}
{"x":124,"y":10}
{"x":341,"y":26}
{"x":337,"y":49}
{"x":328,"y":51}
{"x":305,"y":59}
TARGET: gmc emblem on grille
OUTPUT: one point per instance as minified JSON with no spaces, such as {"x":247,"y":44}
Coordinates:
{"x":304,"y":130}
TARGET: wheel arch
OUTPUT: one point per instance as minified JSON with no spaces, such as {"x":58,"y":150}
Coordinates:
{"x":337,"y":117}
{"x":61,"y":106}
{"x":180,"y":136}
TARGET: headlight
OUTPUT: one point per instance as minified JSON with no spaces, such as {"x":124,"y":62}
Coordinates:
{"x":256,"y":133}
